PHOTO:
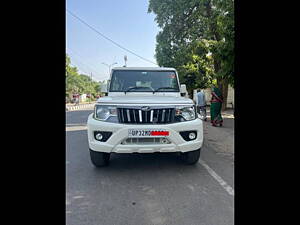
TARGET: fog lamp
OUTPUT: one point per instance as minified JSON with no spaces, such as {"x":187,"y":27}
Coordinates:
{"x":98,"y":136}
{"x":192,"y":135}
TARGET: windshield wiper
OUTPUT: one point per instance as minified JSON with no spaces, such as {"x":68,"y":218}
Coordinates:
{"x":164,"y":88}
{"x":136,"y":87}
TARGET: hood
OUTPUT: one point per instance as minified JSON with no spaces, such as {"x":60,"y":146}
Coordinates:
{"x":145,"y":100}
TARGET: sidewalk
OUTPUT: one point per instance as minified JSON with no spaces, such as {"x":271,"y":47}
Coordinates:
{"x":71,"y":107}
{"x":221,"y":139}
{"x":81,"y":103}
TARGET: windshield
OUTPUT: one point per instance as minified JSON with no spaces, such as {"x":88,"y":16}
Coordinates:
{"x":144,"y":81}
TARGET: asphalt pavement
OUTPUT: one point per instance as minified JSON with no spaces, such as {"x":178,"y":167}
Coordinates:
{"x":138,"y":189}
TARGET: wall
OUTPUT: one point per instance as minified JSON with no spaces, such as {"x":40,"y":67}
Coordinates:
{"x":230,"y":97}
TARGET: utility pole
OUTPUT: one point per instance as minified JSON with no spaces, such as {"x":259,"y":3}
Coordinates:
{"x":90,"y":98}
{"x":125,"y":59}
{"x":109,"y":66}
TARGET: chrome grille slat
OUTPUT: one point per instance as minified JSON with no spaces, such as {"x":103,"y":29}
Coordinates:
{"x":140,"y":116}
{"x":128,"y":115}
{"x":163,"y":116}
{"x":134,"y":119}
{"x":151,"y":116}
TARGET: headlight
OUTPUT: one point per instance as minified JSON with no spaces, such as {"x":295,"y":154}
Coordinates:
{"x":187,"y":113}
{"x":104,"y":112}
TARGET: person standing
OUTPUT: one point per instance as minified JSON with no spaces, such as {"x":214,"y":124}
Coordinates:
{"x":201,"y":104}
{"x":76,"y":99}
{"x":216,"y":107}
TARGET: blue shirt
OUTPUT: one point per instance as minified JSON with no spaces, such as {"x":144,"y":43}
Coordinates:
{"x":201,"y":99}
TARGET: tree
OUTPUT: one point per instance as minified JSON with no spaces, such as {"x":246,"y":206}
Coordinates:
{"x":197,"y":38}
{"x":79,"y":83}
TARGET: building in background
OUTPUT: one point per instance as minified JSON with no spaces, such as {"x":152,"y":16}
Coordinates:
{"x":82,"y":98}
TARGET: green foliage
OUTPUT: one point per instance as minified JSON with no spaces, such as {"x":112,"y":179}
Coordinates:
{"x":79,"y":83}
{"x":197,"y":38}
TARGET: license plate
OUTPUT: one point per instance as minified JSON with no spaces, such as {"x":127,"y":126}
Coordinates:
{"x":147,"y":133}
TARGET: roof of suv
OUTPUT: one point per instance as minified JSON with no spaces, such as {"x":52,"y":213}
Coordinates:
{"x":143,"y":68}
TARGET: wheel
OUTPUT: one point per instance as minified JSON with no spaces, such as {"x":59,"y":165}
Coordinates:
{"x":99,"y":159}
{"x":192,"y":157}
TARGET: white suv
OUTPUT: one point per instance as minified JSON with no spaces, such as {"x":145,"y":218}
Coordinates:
{"x":144,"y":112}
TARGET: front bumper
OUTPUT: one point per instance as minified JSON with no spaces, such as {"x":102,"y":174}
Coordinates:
{"x":120,"y":133}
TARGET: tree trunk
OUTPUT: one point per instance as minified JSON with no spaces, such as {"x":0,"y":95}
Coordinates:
{"x":223,"y":86}
{"x":225,"y":94}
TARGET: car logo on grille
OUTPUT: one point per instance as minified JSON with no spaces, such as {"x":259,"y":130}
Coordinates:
{"x":145,"y":108}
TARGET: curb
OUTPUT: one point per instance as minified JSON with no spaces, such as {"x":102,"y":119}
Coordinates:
{"x":77,"y":107}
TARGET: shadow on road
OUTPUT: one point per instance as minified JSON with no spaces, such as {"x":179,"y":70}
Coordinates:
{"x":147,"y":162}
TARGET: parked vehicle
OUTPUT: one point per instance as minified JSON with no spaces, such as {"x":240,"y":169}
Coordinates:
{"x":144,"y":112}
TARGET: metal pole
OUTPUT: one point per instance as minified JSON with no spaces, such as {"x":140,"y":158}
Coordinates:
{"x":91,"y":87}
{"x":125,"y":59}
{"x":109,"y":66}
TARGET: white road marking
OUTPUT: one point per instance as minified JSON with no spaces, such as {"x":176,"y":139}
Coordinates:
{"x":79,"y":196}
{"x":229,"y":189}
{"x":76,"y":128}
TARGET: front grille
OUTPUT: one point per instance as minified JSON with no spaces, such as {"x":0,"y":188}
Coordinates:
{"x":145,"y":141}
{"x":153,"y":116}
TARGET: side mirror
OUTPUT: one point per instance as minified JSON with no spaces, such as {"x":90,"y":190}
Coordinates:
{"x":183,"y":90}
{"x":107,"y":86}
{"x":104,"y":88}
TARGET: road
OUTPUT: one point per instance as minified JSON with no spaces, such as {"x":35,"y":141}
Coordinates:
{"x":144,"y":189}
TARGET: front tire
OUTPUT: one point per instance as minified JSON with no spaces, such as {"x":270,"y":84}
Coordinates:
{"x":99,"y":159}
{"x":191,"y":158}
